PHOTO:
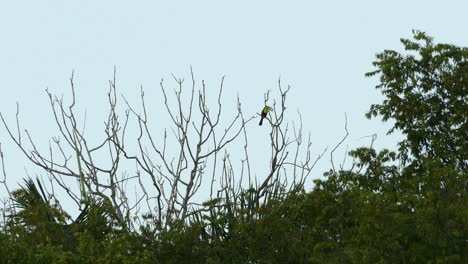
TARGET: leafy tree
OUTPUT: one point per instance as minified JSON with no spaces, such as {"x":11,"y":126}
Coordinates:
{"x":426,"y":97}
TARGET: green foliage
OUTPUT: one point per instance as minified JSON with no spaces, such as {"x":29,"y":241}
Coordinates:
{"x":35,"y":208}
{"x":426,"y":97}
{"x":409,"y":206}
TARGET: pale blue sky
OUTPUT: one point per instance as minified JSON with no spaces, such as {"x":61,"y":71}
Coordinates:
{"x":321,"y":48}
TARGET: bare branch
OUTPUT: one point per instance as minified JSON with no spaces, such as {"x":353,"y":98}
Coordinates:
{"x":339,"y":143}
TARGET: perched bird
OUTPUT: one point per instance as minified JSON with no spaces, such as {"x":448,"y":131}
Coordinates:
{"x":265,"y":111}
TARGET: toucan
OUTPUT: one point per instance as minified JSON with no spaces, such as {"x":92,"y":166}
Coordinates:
{"x":265,"y":111}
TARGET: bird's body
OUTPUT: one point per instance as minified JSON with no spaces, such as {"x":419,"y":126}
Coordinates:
{"x":264,"y":114}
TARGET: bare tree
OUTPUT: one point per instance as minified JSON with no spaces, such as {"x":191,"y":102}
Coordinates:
{"x":70,"y":154}
{"x":198,"y":142}
{"x":194,"y":153}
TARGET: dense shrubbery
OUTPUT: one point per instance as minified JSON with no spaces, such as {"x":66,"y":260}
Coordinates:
{"x":405,"y":207}
{"x":342,"y":220}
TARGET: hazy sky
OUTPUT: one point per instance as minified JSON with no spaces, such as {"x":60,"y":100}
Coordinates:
{"x":321,"y":48}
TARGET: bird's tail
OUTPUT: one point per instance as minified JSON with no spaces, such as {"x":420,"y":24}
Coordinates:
{"x":261,"y":121}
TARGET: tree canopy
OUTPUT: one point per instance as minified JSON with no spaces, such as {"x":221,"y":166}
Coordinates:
{"x":409,"y":205}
